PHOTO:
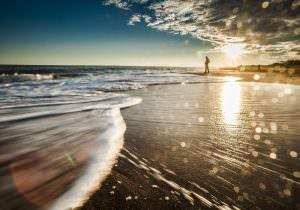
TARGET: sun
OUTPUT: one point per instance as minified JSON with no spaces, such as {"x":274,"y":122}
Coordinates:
{"x":233,"y":51}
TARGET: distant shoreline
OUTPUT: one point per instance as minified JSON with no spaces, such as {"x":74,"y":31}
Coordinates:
{"x":290,"y":67}
{"x":252,"y":76}
{"x":284,"y":72}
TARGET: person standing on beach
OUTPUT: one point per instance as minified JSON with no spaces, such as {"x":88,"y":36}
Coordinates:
{"x":206,"y":64}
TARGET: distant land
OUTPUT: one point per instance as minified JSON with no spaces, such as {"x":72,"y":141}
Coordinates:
{"x":290,"y":67}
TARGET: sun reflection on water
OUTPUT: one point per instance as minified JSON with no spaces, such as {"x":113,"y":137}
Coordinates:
{"x":231,"y":95}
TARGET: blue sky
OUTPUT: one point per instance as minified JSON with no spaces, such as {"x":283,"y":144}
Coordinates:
{"x":88,"y":32}
{"x":84,"y":32}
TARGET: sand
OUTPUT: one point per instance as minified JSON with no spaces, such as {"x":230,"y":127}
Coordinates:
{"x":266,"y":77}
{"x":208,"y":146}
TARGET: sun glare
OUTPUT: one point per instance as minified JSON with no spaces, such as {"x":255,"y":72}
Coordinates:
{"x":231,"y":96}
{"x":233,"y":51}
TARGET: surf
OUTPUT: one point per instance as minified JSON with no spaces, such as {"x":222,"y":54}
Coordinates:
{"x":54,"y":157}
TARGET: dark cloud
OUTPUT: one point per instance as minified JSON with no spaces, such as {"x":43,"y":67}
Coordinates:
{"x":270,"y":27}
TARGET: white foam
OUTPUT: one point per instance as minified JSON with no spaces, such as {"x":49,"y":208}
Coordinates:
{"x":110,"y":143}
{"x":117,"y":102}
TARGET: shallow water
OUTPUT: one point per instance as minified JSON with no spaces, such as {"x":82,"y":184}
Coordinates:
{"x":221,"y":146}
{"x":61,"y":129}
{"x":55,"y":159}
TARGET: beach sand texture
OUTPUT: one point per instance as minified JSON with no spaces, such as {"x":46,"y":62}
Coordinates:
{"x":227,"y":145}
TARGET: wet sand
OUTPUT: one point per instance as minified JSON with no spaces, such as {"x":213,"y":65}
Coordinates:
{"x":228,"y":145}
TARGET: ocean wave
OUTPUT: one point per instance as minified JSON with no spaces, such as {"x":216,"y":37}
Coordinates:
{"x":23,"y":77}
{"x":38,"y":111}
{"x":106,"y":151}
{"x":54,"y":157}
{"x":8,"y":78}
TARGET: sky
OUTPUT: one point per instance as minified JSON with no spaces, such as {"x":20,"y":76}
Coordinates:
{"x":148,"y":32}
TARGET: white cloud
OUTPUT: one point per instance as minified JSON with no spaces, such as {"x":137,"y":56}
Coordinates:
{"x":134,"y":19}
{"x":273,"y":30}
{"x":123,"y":4}
{"x":118,"y":3}
{"x":147,"y":18}
{"x":137,"y":18}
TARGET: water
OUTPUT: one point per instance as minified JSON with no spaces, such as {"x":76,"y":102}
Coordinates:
{"x":231,"y":145}
{"x":61,"y":128}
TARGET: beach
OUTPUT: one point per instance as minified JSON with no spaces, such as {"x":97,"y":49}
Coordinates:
{"x":224,"y":145}
{"x":148,"y":138}
{"x":150,"y":105}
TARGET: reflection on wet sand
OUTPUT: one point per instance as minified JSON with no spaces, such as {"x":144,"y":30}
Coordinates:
{"x":231,"y":102}
{"x":208,"y":146}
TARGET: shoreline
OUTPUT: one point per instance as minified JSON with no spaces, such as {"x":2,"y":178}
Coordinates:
{"x":158,"y":167}
{"x":259,"y":77}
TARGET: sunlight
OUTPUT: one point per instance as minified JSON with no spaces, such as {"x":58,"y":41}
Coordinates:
{"x":233,"y":51}
{"x":231,"y":102}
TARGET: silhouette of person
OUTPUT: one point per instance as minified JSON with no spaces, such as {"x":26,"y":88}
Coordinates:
{"x":206,"y":64}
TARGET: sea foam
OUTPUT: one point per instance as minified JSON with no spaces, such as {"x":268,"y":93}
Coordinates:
{"x":56,"y":156}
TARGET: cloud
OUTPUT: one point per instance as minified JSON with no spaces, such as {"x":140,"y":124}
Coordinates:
{"x":118,"y":3}
{"x":265,"y":27}
{"x":134,"y":19}
{"x":137,"y":18}
{"x":124,"y":4}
